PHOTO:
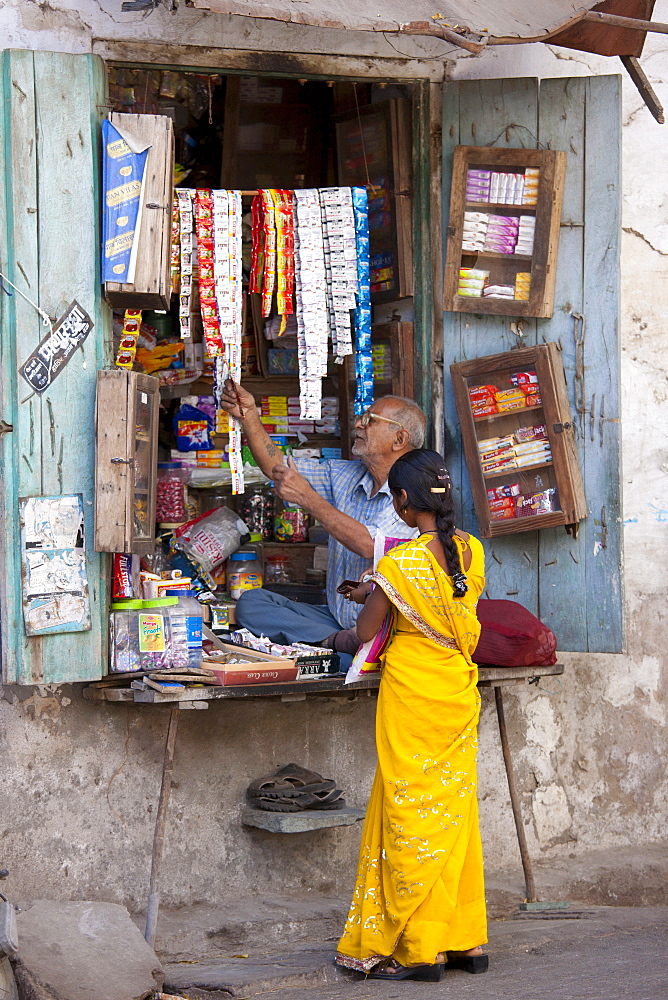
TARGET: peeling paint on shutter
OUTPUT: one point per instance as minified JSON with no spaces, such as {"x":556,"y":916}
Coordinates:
{"x":49,"y":158}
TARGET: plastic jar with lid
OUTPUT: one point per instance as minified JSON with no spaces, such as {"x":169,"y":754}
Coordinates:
{"x":124,"y":636}
{"x":277,"y":569}
{"x":185,"y":628}
{"x":256,"y":509}
{"x":290,"y":523}
{"x":170,"y":499}
{"x":154,"y":633}
{"x":244,"y":572}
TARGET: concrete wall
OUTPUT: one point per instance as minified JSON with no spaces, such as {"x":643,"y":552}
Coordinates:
{"x":80,"y":781}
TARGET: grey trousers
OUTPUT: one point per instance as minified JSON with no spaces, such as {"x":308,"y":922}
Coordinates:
{"x":286,"y":621}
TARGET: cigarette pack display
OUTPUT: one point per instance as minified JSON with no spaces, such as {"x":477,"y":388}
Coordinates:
{"x":504,"y":492}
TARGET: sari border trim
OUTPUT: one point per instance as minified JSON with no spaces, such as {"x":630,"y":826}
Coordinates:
{"x":359,"y":964}
{"x":412,"y":615}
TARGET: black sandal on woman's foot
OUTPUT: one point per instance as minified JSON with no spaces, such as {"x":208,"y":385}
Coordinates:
{"x":421,"y":973}
{"x":467,"y":963}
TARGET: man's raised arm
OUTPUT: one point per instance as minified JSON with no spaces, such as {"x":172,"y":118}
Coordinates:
{"x":240,"y":403}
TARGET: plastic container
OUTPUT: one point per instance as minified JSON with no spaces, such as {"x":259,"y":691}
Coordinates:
{"x":256,"y":509}
{"x":154,"y":634}
{"x":277,"y":570}
{"x":255,"y":545}
{"x":185,"y":627}
{"x":290,"y":524}
{"x":124,"y":636}
{"x":170,"y":499}
{"x":244,"y":572}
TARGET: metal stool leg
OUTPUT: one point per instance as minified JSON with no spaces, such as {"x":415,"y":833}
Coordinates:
{"x":159,"y":832}
{"x":514,"y":800}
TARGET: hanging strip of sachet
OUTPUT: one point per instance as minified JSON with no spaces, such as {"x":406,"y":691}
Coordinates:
{"x":341,"y":265}
{"x":204,"y":229}
{"x":187,"y":241}
{"x":362,"y":315}
{"x":311,"y":301}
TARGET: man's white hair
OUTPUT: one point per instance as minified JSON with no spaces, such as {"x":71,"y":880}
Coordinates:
{"x":410,"y":416}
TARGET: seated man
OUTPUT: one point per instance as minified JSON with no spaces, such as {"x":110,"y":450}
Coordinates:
{"x":350,"y":499}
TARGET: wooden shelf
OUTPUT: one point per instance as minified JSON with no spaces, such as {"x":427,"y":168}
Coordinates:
{"x":478,"y":205}
{"x":516,"y":472}
{"x":495,"y":256}
{"x":507,"y":413}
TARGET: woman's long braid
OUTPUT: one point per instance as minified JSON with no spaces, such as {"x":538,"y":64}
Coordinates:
{"x":422,"y":475}
{"x":445,"y":526}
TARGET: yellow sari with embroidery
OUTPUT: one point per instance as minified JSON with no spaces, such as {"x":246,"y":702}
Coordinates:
{"x":419,"y":888}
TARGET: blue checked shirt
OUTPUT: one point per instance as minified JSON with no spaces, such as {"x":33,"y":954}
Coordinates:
{"x":347,"y":485}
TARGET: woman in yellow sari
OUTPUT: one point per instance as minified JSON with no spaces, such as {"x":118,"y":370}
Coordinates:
{"x":418,"y":904}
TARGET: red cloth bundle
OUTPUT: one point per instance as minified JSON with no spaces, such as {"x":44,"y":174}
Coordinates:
{"x":512,"y":637}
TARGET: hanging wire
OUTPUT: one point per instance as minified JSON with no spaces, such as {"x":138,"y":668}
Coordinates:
{"x":359,"y":119}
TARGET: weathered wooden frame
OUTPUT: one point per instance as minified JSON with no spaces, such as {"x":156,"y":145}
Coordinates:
{"x":552,"y":164}
{"x":556,"y":416}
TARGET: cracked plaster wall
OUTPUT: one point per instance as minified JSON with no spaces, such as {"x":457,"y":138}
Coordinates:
{"x":81,"y":782}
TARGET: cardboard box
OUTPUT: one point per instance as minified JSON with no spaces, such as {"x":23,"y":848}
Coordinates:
{"x":253,"y":668}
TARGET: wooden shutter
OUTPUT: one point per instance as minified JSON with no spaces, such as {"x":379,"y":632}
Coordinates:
{"x":49,"y":247}
{"x":573,"y":584}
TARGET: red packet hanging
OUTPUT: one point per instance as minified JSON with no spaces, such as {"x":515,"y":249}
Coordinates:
{"x":285,"y":256}
{"x":269,"y":251}
{"x":205,"y":256}
{"x":257,"y":247}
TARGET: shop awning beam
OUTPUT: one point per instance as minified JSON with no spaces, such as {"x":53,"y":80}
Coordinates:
{"x":635,"y":71}
{"x":634,"y":23}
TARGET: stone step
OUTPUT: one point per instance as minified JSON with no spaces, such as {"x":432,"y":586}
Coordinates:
{"x":311,"y":964}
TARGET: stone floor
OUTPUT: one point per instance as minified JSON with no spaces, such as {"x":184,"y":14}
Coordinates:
{"x":594,"y":953}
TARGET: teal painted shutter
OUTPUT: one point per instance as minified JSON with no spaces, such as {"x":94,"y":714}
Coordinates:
{"x":574,"y":585}
{"x":49,"y":214}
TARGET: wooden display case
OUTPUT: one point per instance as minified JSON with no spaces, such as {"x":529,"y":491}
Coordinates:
{"x":152,"y":285}
{"x":546,"y":490}
{"x":473,"y":186}
{"x":126,"y":461}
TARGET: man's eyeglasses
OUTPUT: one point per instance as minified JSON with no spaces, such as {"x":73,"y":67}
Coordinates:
{"x":368,"y":416}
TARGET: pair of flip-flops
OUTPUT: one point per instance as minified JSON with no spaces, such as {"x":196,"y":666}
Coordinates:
{"x":292,"y":789}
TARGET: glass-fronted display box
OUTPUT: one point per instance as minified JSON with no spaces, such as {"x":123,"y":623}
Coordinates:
{"x":126,"y":461}
{"x":519,"y":441}
{"x":503,"y":230}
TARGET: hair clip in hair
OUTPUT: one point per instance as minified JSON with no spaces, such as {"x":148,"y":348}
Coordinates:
{"x":460,"y":585}
{"x":437,"y":489}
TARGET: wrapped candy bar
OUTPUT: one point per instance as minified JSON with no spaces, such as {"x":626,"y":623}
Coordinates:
{"x":539,"y":431}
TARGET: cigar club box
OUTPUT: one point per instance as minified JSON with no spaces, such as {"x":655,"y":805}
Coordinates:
{"x":235,"y":665}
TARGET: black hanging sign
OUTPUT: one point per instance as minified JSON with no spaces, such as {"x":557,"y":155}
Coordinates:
{"x":51,"y":356}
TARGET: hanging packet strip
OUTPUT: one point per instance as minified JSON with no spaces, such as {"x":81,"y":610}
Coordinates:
{"x":362,"y":316}
{"x":285,"y":256}
{"x":233,"y":350}
{"x":185,"y":198}
{"x":340,"y":264}
{"x":206,"y":266}
{"x":311,"y":301}
{"x":127,"y":349}
{"x":269,"y":280}
{"x":221,"y":266}
{"x":257,"y":245}
{"x":175,"y":248}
